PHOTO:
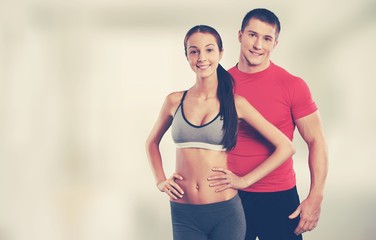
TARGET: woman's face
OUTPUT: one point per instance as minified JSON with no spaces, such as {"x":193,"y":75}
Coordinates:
{"x":203,"y":54}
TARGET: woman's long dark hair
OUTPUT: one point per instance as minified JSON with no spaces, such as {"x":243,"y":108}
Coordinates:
{"x":224,"y":91}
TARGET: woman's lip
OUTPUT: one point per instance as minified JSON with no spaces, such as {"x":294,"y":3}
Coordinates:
{"x":203,"y":66}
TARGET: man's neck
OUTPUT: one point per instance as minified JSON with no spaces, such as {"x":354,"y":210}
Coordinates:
{"x":248,"y":68}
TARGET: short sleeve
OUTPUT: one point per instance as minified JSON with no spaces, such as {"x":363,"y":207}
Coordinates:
{"x":302,"y":103}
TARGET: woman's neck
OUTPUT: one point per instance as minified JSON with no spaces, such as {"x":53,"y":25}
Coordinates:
{"x":205,"y":88}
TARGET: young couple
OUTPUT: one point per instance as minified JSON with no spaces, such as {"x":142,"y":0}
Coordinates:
{"x":234,"y":176}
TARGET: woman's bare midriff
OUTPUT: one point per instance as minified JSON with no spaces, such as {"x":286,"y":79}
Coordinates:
{"x":195,"y":166}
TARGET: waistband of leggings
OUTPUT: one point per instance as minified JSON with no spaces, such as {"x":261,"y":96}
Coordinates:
{"x":233,"y":200}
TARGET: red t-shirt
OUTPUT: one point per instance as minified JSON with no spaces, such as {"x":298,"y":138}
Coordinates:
{"x":281,"y":98}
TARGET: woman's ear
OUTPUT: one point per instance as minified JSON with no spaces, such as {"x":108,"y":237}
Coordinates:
{"x":221,"y":54}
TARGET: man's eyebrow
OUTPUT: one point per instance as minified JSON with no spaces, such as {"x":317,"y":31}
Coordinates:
{"x":268,"y":36}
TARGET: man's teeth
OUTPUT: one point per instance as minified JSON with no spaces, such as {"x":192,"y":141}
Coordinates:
{"x":257,"y":54}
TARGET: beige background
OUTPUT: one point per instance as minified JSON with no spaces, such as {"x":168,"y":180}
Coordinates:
{"x":81,"y":85}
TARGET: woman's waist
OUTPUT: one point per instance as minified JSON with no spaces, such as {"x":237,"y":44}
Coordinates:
{"x":200,"y":154}
{"x":199,"y":192}
{"x":233,"y":199}
{"x":196,"y":167}
{"x":202,"y":194}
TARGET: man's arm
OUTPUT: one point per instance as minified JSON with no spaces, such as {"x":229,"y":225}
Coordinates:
{"x":311,"y":130}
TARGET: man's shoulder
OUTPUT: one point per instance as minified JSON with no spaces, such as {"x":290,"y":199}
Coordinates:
{"x":284,"y":76}
{"x":282,"y":71}
{"x":232,"y":69}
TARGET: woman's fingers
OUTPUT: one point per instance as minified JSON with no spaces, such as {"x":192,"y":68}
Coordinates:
{"x":172,"y":188}
{"x":223,"y":170}
{"x":223,"y":179}
{"x":226,"y":179}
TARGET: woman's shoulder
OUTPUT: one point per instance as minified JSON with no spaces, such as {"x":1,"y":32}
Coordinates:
{"x":172,"y":101}
{"x":174,"y":97}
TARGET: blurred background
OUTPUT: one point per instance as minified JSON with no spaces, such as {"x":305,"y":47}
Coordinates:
{"x":82,"y":82}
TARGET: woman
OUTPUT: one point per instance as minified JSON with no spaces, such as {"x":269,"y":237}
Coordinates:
{"x":204,"y":126}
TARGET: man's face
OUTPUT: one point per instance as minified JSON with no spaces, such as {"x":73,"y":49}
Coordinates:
{"x":257,"y":41}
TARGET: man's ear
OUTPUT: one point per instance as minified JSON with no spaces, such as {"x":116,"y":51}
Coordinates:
{"x":240,"y":35}
{"x":275,"y":43}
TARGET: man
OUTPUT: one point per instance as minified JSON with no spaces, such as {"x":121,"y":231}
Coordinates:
{"x":271,"y":205}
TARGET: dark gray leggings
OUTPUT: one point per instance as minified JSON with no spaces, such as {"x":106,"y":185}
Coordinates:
{"x":215,"y":221}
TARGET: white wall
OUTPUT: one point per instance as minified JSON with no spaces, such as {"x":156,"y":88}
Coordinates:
{"x":81,"y":85}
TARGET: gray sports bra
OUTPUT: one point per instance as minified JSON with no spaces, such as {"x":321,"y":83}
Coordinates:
{"x":186,"y":135}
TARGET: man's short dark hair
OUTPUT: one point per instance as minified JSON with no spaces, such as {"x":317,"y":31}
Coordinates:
{"x":264,"y":15}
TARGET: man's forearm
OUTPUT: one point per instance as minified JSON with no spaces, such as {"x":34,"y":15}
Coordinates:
{"x":318,"y":166}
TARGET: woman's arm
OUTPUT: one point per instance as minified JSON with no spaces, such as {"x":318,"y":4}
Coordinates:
{"x":283,"y":149}
{"x":152,"y":148}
